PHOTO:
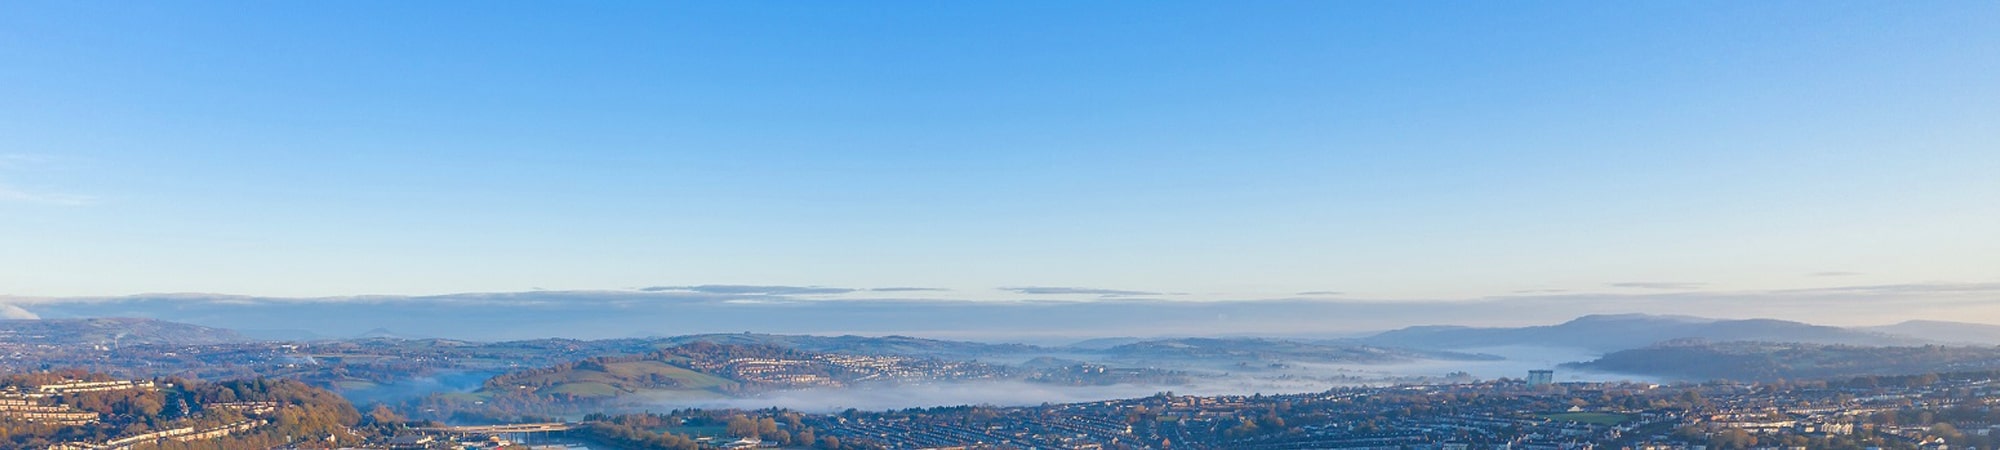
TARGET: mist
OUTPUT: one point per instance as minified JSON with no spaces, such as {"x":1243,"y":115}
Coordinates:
{"x":1517,"y":361}
{"x":1293,"y":378}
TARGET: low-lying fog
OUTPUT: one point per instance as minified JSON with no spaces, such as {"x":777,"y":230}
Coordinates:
{"x":1206,"y":378}
{"x":1518,"y":360}
{"x":1292,"y":378}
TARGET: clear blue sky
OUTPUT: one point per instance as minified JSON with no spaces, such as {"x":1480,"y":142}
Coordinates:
{"x":1384,"y":150}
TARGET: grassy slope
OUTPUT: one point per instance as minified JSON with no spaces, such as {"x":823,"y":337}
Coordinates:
{"x":629,"y":377}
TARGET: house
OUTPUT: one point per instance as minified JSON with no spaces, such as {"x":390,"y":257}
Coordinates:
{"x":411,"y":442}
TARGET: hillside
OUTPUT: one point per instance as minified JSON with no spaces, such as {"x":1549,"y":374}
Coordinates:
{"x":1104,"y":343}
{"x":1944,"y":332}
{"x":1765,"y":361}
{"x":860,"y":345}
{"x":169,"y":414}
{"x":1273,"y":350}
{"x":1610,"y":333}
{"x":608,"y":378}
{"x":111,"y":331}
{"x":726,"y":368}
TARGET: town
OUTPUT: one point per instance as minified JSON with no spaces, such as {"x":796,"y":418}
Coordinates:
{"x":71,"y":410}
{"x":1927,"y":411}
{"x":1931,"y":411}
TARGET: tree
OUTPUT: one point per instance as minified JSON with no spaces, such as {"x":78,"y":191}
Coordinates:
{"x":829,"y":443}
{"x":740,"y":426}
{"x":1733,"y":438}
{"x":1945,"y":430}
{"x":766,"y":426}
{"x":382,"y":416}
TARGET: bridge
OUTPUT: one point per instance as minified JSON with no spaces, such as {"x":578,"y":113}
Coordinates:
{"x":500,"y":429}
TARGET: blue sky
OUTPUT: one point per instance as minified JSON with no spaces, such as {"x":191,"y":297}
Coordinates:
{"x":1201,"y":150}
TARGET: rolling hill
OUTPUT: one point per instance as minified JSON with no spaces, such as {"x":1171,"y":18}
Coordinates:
{"x":1273,"y":350}
{"x":1944,"y":332}
{"x":860,"y":345}
{"x":1767,"y":361}
{"x":1609,"y":333}
{"x":112,"y":331}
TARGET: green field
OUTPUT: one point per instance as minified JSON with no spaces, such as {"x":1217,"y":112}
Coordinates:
{"x":1589,"y":417}
{"x":583,"y":389}
{"x":629,"y":377}
{"x":688,"y":379}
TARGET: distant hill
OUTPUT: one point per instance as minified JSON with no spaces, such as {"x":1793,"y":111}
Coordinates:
{"x":385,"y":333}
{"x":110,"y":331}
{"x":1943,"y":332}
{"x":1767,"y":361}
{"x":709,"y":369}
{"x":1104,"y":343}
{"x":1274,"y":350}
{"x":1609,"y":333}
{"x":861,"y":345}
{"x":605,"y":377}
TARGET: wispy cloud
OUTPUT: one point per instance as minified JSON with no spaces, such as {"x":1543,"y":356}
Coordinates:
{"x":1541,"y":291}
{"x":739,"y":289}
{"x":1905,"y":288}
{"x":1045,"y":290}
{"x":907,"y":289}
{"x":1834,"y":274}
{"x":20,"y":159}
{"x":1661,"y":285}
{"x":13,"y":195}
{"x":16,"y":162}
{"x":1320,"y":293}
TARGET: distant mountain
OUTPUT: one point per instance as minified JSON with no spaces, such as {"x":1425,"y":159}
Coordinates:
{"x":112,"y":331}
{"x":1274,"y":350}
{"x":862,"y":345}
{"x":1944,"y":332}
{"x":385,"y":333}
{"x":1766,"y":361}
{"x":1104,"y":343}
{"x":1609,"y":333}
